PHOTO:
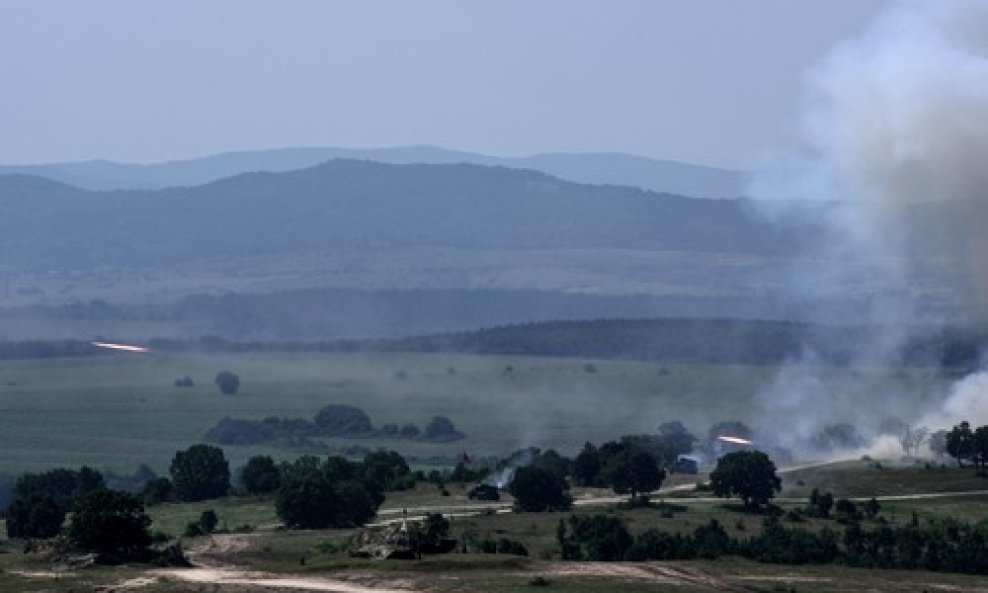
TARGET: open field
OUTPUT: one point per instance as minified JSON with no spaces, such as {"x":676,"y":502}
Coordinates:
{"x":689,"y":509}
{"x":856,"y":479}
{"x":116,"y":412}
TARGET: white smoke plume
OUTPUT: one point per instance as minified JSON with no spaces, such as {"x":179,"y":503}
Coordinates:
{"x":967,"y":400}
{"x":896,"y":118}
{"x":895,"y":131}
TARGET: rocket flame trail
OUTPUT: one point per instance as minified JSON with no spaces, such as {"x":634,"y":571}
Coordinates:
{"x":735,"y":440}
{"x":124,"y":347}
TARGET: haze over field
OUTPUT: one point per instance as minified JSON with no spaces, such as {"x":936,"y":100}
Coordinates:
{"x":513,"y":293}
{"x":859,"y":207}
{"x":510,"y":245}
{"x":323,"y":248}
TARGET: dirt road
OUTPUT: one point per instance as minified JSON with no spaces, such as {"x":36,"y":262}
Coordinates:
{"x":240,"y":578}
{"x":211,"y":566}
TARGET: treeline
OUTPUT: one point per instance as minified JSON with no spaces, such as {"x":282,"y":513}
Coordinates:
{"x":334,"y":420}
{"x":965,"y":443}
{"x":309,"y":492}
{"x":10,"y":350}
{"x":670,"y":340}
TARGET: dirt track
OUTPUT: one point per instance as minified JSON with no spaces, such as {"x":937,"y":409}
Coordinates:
{"x":236,"y":577}
{"x":211,"y":567}
{"x":653,"y":572}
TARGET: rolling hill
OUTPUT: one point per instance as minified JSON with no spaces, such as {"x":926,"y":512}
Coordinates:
{"x":357,"y":205}
{"x":604,"y":168}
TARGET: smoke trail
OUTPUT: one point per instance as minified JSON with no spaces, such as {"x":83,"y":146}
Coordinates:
{"x":895,"y":166}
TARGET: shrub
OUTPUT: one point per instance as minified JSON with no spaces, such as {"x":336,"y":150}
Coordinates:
{"x":596,"y":537}
{"x":208,"y":520}
{"x":847,"y":511}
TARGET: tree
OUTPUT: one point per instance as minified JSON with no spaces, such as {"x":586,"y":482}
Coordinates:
{"x":389,"y":469}
{"x":34,"y":515}
{"x":41,"y":501}
{"x":340,"y":469}
{"x":306,"y":498}
{"x":551,"y":460}
{"x":979,"y":447}
{"x":341,"y":420}
{"x":228,"y":382}
{"x":586,"y":466}
{"x":938,"y":443}
{"x":912,"y":438}
{"x":157,"y":491}
{"x":536,"y":489}
{"x":678,"y":440}
{"x":820,"y":504}
{"x":63,"y":485}
{"x":892,"y":425}
{"x":261,"y":475}
{"x":749,"y":475}
{"x":595,"y":538}
{"x":847,"y":511}
{"x":112,"y":524}
{"x":358,"y":503}
{"x":635,"y":471}
{"x":463,"y":474}
{"x":334,"y":493}
{"x":872,"y":507}
{"x":960,"y":443}
{"x":199,"y":473}
{"x":88,"y":481}
{"x":665,"y":449}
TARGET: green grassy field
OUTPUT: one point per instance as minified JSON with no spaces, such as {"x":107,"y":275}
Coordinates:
{"x":855,"y":479}
{"x":116,"y":412}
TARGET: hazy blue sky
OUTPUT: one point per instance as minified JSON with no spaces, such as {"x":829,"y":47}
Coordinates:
{"x":708,"y":81}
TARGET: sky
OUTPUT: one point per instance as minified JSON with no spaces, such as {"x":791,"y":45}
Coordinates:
{"x":714,"y":82}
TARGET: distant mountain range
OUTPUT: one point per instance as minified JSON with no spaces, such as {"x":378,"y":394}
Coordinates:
{"x":359,"y":205}
{"x":604,"y":168}
{"x":355,"y":248}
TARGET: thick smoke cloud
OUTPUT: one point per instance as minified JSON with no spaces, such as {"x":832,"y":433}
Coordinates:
{"x":896,"y":137}
{"x":895,"y":166}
